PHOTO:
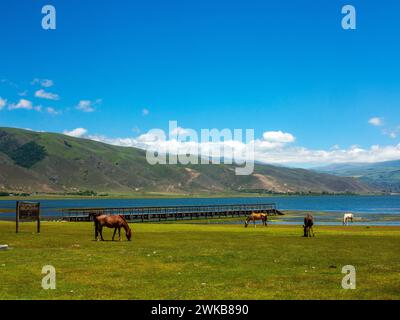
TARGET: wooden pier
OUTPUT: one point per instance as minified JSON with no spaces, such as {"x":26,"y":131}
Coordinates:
{"x":173,"y":213}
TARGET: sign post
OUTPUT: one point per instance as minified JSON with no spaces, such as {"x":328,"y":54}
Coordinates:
{"x":27,"y":211}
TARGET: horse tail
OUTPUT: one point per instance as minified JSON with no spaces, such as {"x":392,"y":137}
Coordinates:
{"x":94,"y":216}
{"x":96,"y":224}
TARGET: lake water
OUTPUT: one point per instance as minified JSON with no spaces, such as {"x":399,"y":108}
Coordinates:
{"x":368,"y":210}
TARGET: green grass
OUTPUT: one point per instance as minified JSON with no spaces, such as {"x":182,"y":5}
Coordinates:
{"x":193,"y":261}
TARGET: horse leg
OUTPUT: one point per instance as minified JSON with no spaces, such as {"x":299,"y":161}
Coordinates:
{"x":101,"y":233}
{"x":312,"y":229}
{"x":119,"y":233}
{"x":254,"y":220}
{"x":96,"y":232}
{"x":115,"y":230}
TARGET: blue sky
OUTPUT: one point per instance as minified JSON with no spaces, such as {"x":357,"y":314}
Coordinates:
{"x":269,"y":65}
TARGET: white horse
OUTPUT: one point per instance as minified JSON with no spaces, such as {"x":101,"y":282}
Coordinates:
{"x":347,"y":217}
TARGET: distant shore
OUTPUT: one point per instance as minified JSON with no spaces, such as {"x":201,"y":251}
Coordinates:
{"x":155,"y":195}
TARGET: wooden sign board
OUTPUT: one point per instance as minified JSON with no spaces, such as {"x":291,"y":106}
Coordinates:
{"x":27,"y":211}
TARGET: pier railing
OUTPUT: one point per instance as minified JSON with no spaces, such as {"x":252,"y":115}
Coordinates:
{"x":170,"y":213}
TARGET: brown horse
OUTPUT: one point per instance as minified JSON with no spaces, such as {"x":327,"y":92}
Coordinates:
{"x":256,"y":216}
{"x":111,"y":221}
{"x":308,"y":225}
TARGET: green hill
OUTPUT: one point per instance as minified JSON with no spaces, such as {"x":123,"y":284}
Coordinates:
{"x":55,"y":163}
{"x":384,"y":176}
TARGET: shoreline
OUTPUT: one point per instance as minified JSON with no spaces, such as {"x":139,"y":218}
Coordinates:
{"x":180,"y":196}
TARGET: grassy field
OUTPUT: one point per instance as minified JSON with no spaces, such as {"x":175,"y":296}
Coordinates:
{"x":198,"y":261}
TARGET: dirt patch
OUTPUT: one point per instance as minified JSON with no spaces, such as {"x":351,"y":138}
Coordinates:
{"x":270,"y":183}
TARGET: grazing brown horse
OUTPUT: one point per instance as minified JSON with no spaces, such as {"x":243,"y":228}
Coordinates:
{"x":256,"y":216}
{"x":111,"y":221}
{"x":308,"y":225}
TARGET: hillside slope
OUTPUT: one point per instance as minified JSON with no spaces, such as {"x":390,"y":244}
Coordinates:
{"x":384,"y":176}
{"x":49,"y":162}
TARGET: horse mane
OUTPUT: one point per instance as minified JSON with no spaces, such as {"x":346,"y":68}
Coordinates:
{"x":123,"y":218}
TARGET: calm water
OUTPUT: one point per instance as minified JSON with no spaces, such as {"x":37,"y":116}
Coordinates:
{"x":368,"y":210}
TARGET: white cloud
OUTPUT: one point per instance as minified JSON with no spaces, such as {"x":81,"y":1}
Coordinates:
{"x":47,"y":83}
{"x":46,"y":95}
{"x":275,"y":151}
{"x":145,"y":112}
{"x":22,"y":104}
{"x":392,"y":133}
{"x":264,"y":151}
{"x":301,"y":155}
{"x":274,"y":139}
{"x":87,"y":105}
{"x":77,"y":133}
{"x":30,"y":129}
{"x":376,"y":121}
{"x":178,"y":131}
{"x":3,"y":103}
{"x":278,"y":137}
{"x":52,"y":111}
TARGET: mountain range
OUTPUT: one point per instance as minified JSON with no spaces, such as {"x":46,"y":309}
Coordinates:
{"x":55,"y":163}
{"x":383,"y":176}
